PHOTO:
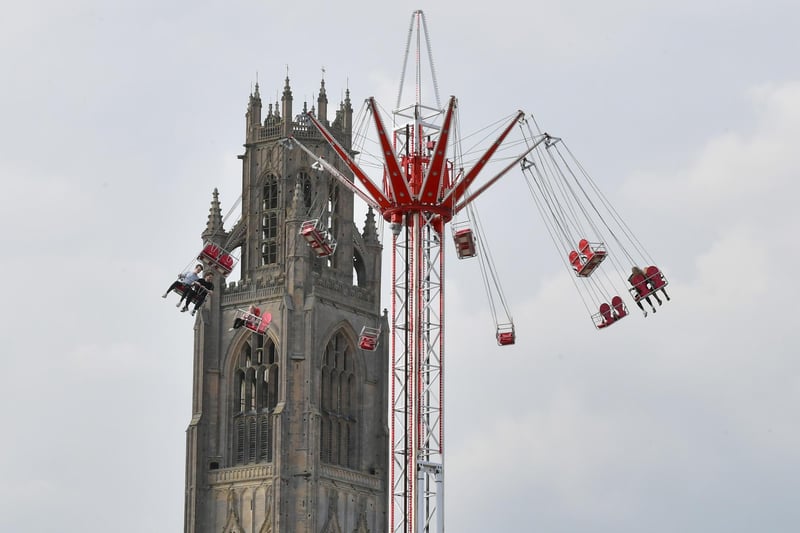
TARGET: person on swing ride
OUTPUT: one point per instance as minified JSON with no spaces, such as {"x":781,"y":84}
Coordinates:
{"x":185,"y":280}
{"x":198,"y":291}
{"x":240,"y":321}
{"x":639,"y":281}
{"x":656,"y":281}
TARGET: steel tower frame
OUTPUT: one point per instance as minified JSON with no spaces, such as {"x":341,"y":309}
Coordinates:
{"x":420,"y":194}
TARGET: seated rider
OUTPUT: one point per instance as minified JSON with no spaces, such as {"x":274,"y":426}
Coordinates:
{"x":238,"y":322}
{"x":638,"y":280}
{"x":185,"y":280}
{"x":198,"y":291}
{"x":655,"y":281}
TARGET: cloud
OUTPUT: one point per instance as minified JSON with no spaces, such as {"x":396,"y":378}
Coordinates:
{"x":738,"y":174}
{"x":588,"y":422}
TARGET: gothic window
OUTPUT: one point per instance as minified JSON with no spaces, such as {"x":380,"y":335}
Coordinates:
{"x":344,"y":446}
{"x":255,"y":396}
{"x":239,"y":445}
{"x":339,"y":422}
{"x":333,"y":201}
{"x":264,"y":447}
{"x":251,"y":439}
{"x":261,"y":391}
{"x":333,"y":217}
{"x":359,"y":269}
{"x":269,"y":221}
{"x":305,"y":181}
{"x":239,"y":392}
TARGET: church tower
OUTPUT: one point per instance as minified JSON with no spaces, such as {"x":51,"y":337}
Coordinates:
{"x":289,"y":428}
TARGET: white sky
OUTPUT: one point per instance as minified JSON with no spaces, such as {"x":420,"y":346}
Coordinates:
{"x":117,"y":119}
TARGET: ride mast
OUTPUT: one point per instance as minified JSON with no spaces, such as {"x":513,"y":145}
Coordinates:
{"x":422,"y":188}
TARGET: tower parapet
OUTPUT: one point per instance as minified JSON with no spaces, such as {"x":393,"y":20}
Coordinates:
{"x":276,"y":126}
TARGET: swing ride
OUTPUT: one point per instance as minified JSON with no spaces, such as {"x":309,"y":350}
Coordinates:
{"x":429,"y":178}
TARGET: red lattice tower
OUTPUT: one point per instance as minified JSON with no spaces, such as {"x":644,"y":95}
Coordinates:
{"x":421,"y":191}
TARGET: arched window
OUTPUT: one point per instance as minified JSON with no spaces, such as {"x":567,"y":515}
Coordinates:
{"x":339,"y":421}
{"x":255,"y":396}
{"x":239,"y":392}
{"x":333,"y":209}
{"x":331,"y":218}
{"x":359,"y":269}
{"x":269,"y":221}
{"x":305,"y":183}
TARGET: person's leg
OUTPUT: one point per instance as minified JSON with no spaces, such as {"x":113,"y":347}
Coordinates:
{"x":190,"y":296}
{"x":198,"y":301}
{"x":185,"y":296}
{"x":171,"y":288}
{"x":639,"y":303}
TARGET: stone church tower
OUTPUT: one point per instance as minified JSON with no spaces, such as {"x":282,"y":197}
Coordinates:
{"x":289,"y":429}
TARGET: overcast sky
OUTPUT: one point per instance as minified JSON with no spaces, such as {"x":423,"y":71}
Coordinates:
{"x":118,"y":119}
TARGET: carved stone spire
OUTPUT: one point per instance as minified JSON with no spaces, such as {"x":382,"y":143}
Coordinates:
{"x":214,"y":226}
{"x":253,"y":111}
{"x":370,"y":232}
{"x":322,"y":103}
{"x":348,"y":112}
{"x":286,"y":101}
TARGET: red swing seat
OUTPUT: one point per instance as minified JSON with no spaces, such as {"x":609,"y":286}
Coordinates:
{"x":655,"y":278}
{"x":604,"y":318}
{"x":506,"y":335}
{"x":368,"y":338}
{"x":320,"y":241}
{"x":619,"y":308}
{"x":640,"y":288}
{"x":214,"y":256}
{"x":575,"y":261}
{"x":210,"y":252}
{"x":256,"y":322}
{"x":593,"y":254}
{"x":465,"y":243}
{"x":180,"y":288}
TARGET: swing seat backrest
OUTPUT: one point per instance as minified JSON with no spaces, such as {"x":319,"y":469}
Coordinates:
{"x":265,"y":322}
{"x":505,"y":338}
{"x":605,"y":312}
{"x":575,"y":260}
{"x":368,"y":343}
{"x":619,"y":307}
{"x":640,"y":284}
{"x":210,"y":252}
{"x":321,"y":242}
{"x":226,"y":262}
{"x":655,"y":277}
{"x":465,"y":243}
{"x":585,"y":249}
{"x":368,"y":338}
